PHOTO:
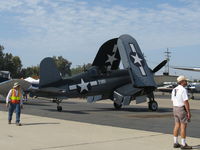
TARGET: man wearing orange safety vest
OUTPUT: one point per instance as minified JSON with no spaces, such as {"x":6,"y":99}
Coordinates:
{"x":14,"y":102}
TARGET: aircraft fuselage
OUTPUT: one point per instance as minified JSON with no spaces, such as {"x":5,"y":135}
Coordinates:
{"x":85,"y":84}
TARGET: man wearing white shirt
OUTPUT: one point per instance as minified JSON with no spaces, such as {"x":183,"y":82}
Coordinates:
{"x":181,"y":110}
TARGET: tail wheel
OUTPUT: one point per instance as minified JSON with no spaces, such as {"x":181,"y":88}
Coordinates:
{"x":117,"y":106}
{"x":153,"y":105}
{"x":59,"y":108}
{"x":58,"y":101}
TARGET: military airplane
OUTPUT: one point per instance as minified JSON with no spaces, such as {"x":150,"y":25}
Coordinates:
{"x":167,"y":88}
{"x":193,"y":87}
{"x":188,"y":69}
{"x":4,"y":76}
{"x":104,"y":79}
{"x":6,"y":83}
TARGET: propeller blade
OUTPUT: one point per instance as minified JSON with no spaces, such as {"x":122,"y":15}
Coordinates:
{"x":158,"y":67}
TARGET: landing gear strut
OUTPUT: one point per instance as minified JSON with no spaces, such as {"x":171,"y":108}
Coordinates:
{"x":153,"y":105}
{"x":58,"y":101}
{"x":192,"y":95}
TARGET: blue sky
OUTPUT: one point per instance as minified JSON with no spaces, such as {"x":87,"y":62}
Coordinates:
{"x":75,"y":29}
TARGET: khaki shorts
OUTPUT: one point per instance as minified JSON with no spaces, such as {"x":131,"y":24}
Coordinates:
{"x":180,"y":114}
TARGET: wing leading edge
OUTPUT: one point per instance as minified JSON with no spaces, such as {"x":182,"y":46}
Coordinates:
{"x":188,"y":69}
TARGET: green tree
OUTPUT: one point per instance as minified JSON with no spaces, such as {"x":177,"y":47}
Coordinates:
{"x":30,"y":72}
{"x":80,"y":68}
{"x":11,"y":63}
{"x":1,"y":57}
{"x":18,"y":66}
{"x":8,"y":64}
{"x":63,"y":65}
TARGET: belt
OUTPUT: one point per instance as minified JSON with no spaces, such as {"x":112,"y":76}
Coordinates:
{"x":15,"y":101}
{"x":178,"y":106}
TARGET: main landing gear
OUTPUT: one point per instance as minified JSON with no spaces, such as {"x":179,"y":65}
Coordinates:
{"x":192,"y":95}
{"x":153,"y":105}
{"x":58,"y":101}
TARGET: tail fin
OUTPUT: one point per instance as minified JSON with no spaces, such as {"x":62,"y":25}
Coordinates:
{"x":133,"y":60}
{"x":48,"y":72}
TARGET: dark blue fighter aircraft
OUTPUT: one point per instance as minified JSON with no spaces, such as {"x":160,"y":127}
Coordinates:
{"x":104,"y":80}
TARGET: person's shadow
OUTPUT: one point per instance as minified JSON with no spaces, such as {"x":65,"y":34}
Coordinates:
{"x":31,"y":124}
{"x":196,"y":147}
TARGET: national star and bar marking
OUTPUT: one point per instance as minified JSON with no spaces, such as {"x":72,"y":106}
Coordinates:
{"x":137,"y":59}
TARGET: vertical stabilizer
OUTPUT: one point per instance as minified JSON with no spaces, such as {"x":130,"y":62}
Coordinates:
{"x":48,"y":72}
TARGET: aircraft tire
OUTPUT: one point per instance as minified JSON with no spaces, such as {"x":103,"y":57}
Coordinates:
{"x":59,"y":108}
{"x":153,"y":106}
{"x":117,"y":106}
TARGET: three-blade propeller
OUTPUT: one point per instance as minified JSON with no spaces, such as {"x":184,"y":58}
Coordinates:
{"x":158,"y":67}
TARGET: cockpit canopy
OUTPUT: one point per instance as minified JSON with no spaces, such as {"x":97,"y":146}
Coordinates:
{"x":93,"y":71}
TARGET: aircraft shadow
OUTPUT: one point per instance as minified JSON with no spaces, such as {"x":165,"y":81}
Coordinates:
{"x":69,"y":103}
{"x":29,"y":103}
{"x":36,"y":104}
{"x":67,"y":111}
{"x":160,"y":110}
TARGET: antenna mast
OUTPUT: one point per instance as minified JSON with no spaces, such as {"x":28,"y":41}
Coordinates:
{"x":167,"y":55}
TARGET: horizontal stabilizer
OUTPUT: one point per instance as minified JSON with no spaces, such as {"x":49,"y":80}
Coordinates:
{"x":133,"y":60}
{"x":48,"y":72}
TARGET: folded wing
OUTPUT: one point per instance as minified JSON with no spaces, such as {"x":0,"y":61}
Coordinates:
{"x":108,"y":57}
{"x":133,"y":60}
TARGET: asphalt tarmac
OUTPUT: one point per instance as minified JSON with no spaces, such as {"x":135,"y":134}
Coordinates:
{"x":102,"y":113}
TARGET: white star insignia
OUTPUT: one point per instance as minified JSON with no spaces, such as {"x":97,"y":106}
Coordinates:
{"x":83,"y":85}
{"x":137,"y":59}
{"x":111,"y":59}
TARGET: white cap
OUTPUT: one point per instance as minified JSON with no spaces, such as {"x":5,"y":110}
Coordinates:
{"x":181,"y":78}
{"x":16,"y":84}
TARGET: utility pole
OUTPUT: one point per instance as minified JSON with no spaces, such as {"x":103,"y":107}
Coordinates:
{"x":167,"y":55}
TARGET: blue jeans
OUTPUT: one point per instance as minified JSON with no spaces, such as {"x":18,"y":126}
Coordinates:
{"x":17,"y":109}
